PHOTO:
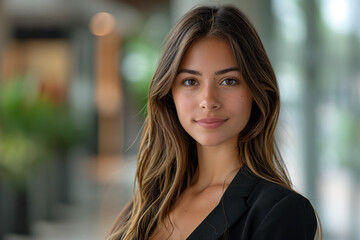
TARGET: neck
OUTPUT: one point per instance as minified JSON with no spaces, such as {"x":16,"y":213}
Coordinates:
{"x":217,"y":165}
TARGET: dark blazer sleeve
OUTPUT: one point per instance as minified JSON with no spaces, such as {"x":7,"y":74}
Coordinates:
{"x":292,"y":218}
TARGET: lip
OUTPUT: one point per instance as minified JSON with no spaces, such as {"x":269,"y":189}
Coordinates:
{"x":210,"y":122}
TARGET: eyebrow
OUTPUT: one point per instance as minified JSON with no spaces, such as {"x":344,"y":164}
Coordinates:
{"x":220,"y":72}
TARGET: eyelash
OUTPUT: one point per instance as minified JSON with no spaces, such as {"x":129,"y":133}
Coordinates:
{"x":234,"y":82}
{"x":186,"y":82}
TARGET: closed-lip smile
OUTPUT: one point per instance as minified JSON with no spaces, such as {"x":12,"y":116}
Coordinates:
{"x":210,"y":122}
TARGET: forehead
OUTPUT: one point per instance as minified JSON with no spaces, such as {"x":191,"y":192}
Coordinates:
{"x":210,"y":52}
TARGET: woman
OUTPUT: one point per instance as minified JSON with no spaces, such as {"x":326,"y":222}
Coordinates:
{"x":208,"y":166}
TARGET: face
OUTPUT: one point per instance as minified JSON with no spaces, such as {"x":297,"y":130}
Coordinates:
{"x":213,"y":101}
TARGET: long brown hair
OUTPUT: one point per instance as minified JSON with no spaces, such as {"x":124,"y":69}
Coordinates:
{"x":167,"y":158}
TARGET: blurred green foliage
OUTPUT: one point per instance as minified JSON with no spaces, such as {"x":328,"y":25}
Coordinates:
{"x":140,"y":60}
{"x":348,"y":140}
{"x":32,"y":129}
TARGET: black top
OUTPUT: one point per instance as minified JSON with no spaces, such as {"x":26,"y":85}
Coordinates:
{"x":256,"y":209}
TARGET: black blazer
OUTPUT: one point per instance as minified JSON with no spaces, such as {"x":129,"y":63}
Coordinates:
{"x":255,"y":209}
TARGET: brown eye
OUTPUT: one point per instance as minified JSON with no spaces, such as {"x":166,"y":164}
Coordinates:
{"x":190,"y":82}
{"x":229,"y":82}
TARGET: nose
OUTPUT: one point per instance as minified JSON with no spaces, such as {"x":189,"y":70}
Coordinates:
{"x":209,"y":98}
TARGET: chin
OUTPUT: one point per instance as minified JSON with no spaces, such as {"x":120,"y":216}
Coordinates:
{"x":209,"y":142}
{"x":216,"y":140}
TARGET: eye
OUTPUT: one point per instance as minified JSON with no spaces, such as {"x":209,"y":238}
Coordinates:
{"x":190,"y":82}
{"x":229,"y":82}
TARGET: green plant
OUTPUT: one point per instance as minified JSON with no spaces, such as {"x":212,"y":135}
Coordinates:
{"x":32,"y":128}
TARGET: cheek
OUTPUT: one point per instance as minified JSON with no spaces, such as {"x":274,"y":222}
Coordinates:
{"x":183,"y":104}
{"x":243,"y":105}
{"x":246,"y":100}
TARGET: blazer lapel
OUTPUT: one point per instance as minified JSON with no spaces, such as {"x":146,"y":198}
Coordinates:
{"x":231,"y":207}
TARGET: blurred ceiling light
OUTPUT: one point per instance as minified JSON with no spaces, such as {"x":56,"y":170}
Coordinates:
{"x":102,"y":24}
{"x":337,"y":14}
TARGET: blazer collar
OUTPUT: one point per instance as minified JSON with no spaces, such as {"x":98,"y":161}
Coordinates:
{"x":231,"y":207}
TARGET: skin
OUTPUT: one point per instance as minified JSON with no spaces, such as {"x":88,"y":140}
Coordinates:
{"x":213,"y":103}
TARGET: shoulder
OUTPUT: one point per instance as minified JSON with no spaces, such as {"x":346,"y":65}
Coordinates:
{"x":267,"y":194}
{"x":279,"y":210}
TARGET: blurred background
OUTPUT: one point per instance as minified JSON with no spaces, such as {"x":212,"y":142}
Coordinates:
{"x":73,"y":84}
